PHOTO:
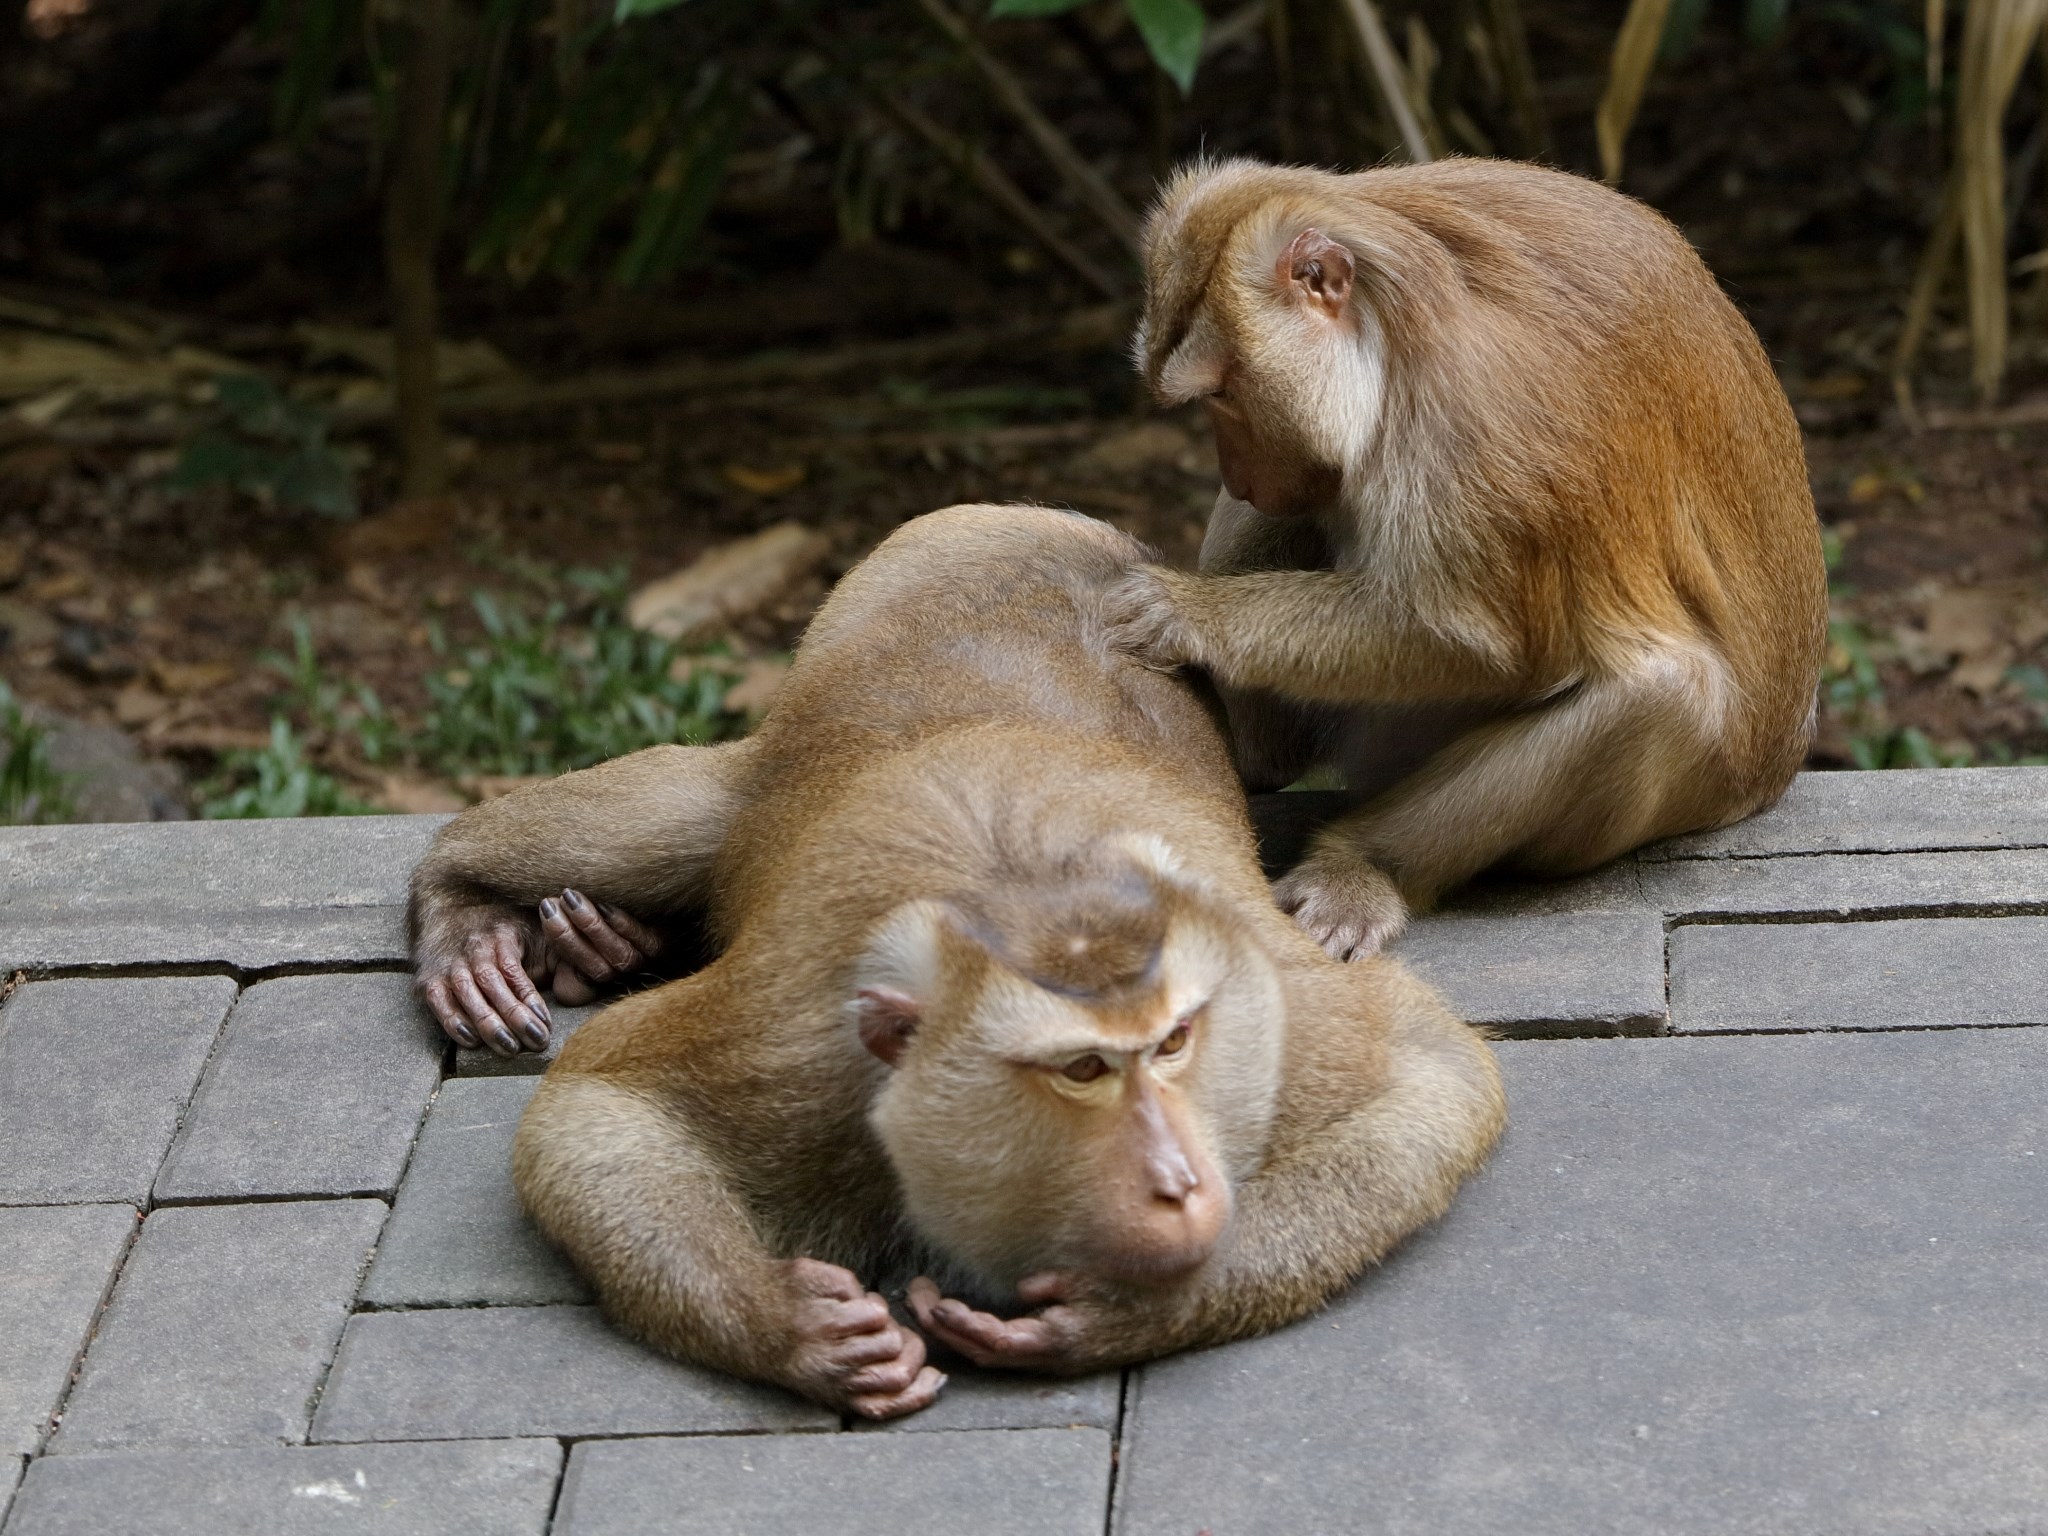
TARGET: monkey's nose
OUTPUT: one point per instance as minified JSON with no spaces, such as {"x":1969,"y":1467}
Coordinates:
{"x":1173,"y":1178}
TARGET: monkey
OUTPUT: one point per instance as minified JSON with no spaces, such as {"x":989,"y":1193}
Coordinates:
{"x":1001,"y":1005}
{"x":1515,"y":527}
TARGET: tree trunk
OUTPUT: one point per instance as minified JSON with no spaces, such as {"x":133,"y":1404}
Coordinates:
{"x":412,"y":227}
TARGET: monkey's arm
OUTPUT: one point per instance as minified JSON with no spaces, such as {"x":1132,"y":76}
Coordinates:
{"x":641,"y":833}
{"x":612,"y":1174}
{"x":1332,"y":637}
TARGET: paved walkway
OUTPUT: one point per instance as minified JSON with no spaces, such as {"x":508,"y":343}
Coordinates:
{"x":1765,"y":1251}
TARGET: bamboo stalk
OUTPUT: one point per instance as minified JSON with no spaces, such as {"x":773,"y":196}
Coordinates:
{"x":1389,"y":76}
{"x":1518,"y":77}
{"x":1635,"y":54}
{"x":1998,"y":41}
{"x":1088,"y":184}
{"x":971,"y":163}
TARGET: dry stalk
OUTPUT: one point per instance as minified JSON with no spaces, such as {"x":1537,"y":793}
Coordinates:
{"x":1088,"y":184}
{"x":1389,"y":75}
{"x":1998,"y":41}
{"x":1635,"y":54}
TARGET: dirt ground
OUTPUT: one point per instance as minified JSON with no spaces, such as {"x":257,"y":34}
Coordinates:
{"x":122,"y":603}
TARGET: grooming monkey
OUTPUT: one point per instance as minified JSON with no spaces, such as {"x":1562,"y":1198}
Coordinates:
{"x":1515,"y":525}
{"x":1003,"y":1003}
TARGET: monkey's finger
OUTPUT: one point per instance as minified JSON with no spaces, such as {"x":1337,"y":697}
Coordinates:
{"x":872,"y":1349}
{"x":921,"y":1393}
{"x":512,"y":962}
{"x":570,"y":988}
{"x":894,"y":1374}
{"x":989,"y":1340}
{"x":1045,"y":1287}
{"x":844,"y":1319}
{"x":495,"y":986}
{"x":453,"y":1024}
{"x":632,"y":930}
{"x":600,"y":934}
{"x":489,"y":1027}
{"x":571,"y":948}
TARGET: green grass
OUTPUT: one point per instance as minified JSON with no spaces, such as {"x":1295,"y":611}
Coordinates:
{"x":31,"y":791}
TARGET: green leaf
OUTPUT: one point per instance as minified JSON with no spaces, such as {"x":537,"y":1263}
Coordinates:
{"x":1172,"y":30}
{"x":627,"y":9}
{"x":1034,"y":7}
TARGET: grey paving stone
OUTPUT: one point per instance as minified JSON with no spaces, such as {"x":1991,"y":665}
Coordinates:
{"x":563,"y":1022}
{"x":1709,"y":1287}
{"x":1893,"y":811}
{"x":317,"y":1088}
{"x":10,"y":1479}
{"x":1908,"y":973}
{"x":975,"y":1399}
{"x":1614,"y":888}
{"x":474,"y":1488}
{"x":56,"y":1263}
{"x":1029,"y":1482}
{"x":514,"y":1371}
{"x":93,"y":1075}
{"x":1901,"y":883}
{"x":457,"y":1235}
{"x":247,"y":894}
{"x":1587,"y":973}
{"x":221,"y":1326}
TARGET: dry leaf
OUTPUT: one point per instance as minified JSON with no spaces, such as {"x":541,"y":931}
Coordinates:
{"x":765,"y":482}
{"x":190,"y":676}
{"x":13,"y":561}
{"x":1134,"y":449}
{"x":138,"y":704}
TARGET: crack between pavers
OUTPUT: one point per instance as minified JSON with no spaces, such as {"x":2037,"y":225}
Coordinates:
{"x":55,"y":1420}
{"x":243,"y":975}
{"x":1817,"y":915}
{"x":1842,"y":853}
{"x":1116,"y":1448}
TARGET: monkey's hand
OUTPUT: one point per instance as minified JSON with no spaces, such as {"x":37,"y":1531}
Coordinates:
{"x":1147,"y":617}
{"x":1348,"y":907}
{"x":1077,"y":1326}
{"x":470,"y":967}
{"x":590,"y":943}
{"x":847,"y":1352}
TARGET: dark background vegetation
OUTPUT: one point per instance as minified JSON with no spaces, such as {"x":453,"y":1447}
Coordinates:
{"x":358,"y":358}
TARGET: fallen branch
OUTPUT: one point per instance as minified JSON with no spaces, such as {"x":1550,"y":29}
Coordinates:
{"x":2021,"y":413}
{"x":1080,"y":331}
{"x":1388,"y":75}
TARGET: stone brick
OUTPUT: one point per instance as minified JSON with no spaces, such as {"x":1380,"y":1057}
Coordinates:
{"x":1748,"y":1286}
{"x":472,"y":1488}
{"x":1903,"y":884}
{"x":1029,"y":1482}
{"x":10,"y":1479}
{"x":465,"y":1373}
{"x":93,"y":1075}
{"x":1896,"y":811}
{"x":563,"y":1021}
{"x":1908,"y":973}
{"x":221,"y":1326}
{"x":457,"y":1235}
{"x":1593,"y":973}
{"x":248,"y":894}
{"x":56,"y":1263}
{"x":317,"y":1089}
{"x":976,"y":1399}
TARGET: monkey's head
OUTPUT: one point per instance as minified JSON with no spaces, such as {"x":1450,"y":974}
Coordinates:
{"x":1080,"y":1071}
{"x":1251,"y":307}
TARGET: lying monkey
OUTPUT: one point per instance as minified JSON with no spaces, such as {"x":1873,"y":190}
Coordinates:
{"x":1515,"y":525}
{"x":1004,"y":1003}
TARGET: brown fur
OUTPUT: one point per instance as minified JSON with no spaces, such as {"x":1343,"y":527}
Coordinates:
{"x":1572,"y":553}
{"x":957,"y":754}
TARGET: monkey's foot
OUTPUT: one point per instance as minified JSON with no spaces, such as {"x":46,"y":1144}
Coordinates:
{"x":590,"y":943}
{"x":481,"y":993}
{"x":1049,"y":1339}
{"x":849,"y":1353}
{"x":1351,"y":910}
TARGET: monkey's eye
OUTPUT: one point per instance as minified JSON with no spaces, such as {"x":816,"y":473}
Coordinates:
{"x":1084,"y":1069}
{"x":1175,"y":1042}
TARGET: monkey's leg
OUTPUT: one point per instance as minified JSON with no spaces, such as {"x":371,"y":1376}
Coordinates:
{"x":612,"y":1174}
{"x":1563,"y":788}
{"x":641,"y":833}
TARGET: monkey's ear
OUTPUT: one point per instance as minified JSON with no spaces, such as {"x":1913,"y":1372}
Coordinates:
{"x":1318,"y":271}
{"x":887,"y":1019}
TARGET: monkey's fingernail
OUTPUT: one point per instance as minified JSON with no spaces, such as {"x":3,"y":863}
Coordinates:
{"x":503,"y":1043}
{"x":539,"y":1008}
{"x":536,"y":1033}
{"x":464,"y":1037}
{"x":548,"y":909}
{"x":572,"y":901}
